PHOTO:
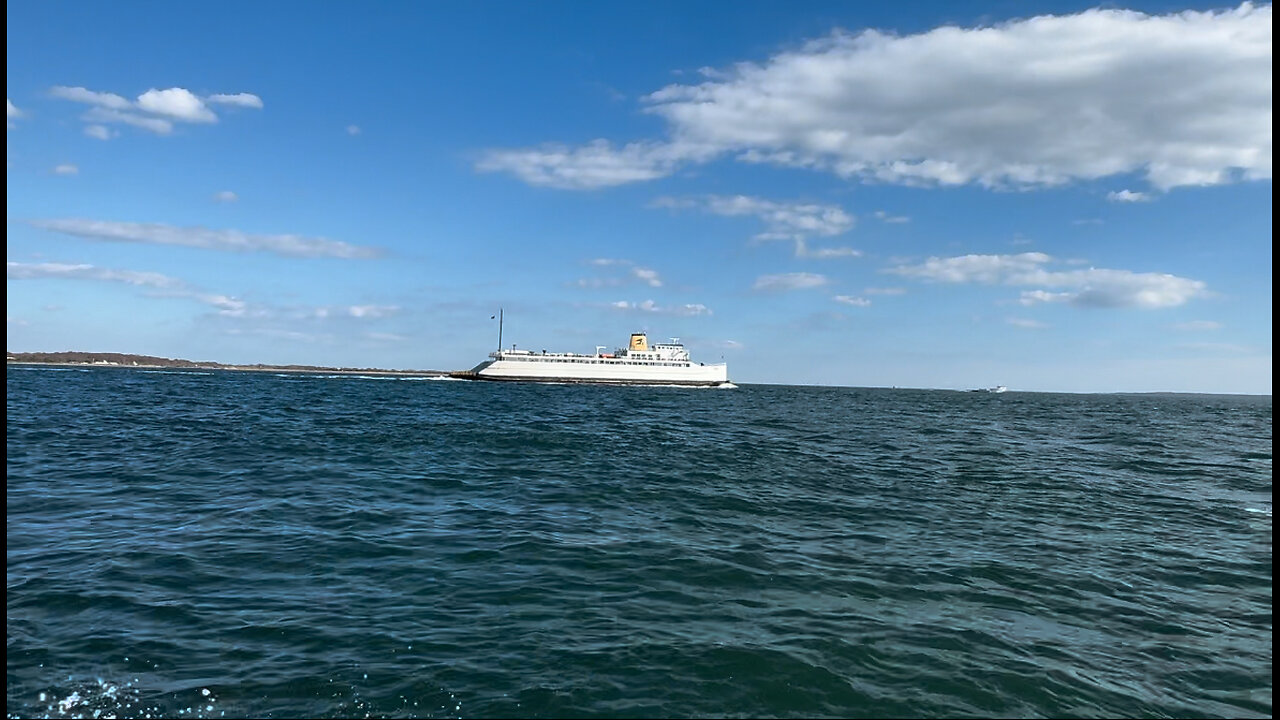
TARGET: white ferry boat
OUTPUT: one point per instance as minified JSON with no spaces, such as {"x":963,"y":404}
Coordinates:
{"x":637,"y":364}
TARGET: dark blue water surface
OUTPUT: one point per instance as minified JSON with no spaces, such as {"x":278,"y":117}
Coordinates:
{"x":237,"y":544}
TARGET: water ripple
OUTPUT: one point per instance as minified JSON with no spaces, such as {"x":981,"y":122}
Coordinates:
{"x":246,"y":545}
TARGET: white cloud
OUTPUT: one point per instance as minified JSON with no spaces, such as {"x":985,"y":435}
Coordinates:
{"x":101,"y":132}
{"x":648,"y":276}
{"x":794,"y":221}
{"x":353,"y":129}
{"x":177,"y":103}
{"x":690,"y":309}
{"x":28,"y":271}
{"x":987,"y":269}
{"x":1198,"y":325}
{"x":159,"y":126}
{"x":1025,"y":323}
{"x":82,"y":95}
{"x":594,"y":165}
{"x":197,"y":237}
{"x":1128,"y":196}
{"x":789,"y":281}
{"x":162,"y":285}
{"x":11,"y":113}
{"x":66,"y":169}
{"x":1092,"y":287}
{"x":248,"y":100}
{"x":804,"y":251}
{"x":885,"y":217}
{"x":851,"y":300}
{"x":1182,"y":99}
{"x":226,"y":305}
{"x":155,"y":110}
{"x":372,"y":311}
{"x":226,"y":196}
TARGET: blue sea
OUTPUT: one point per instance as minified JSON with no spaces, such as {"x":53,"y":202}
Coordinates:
{"x":213,"y":544}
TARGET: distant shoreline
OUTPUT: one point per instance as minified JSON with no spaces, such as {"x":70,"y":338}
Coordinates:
{"x":18,"y":359}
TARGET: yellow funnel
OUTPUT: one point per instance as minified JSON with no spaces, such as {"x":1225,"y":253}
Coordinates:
{"x":639,"y":342}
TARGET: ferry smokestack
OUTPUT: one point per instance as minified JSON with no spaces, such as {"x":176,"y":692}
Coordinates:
{"x":639,"y":342}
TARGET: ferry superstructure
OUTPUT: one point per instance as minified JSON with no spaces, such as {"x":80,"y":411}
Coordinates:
{"x":638,"y":364}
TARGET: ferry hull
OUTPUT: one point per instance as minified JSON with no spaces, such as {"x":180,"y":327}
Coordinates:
{"x":584,"y":381}
{"x":596,"y":374}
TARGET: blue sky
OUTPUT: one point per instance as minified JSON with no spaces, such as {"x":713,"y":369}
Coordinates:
{"x":1046,"y":196}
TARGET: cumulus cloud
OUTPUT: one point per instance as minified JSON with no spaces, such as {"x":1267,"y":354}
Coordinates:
{"x":1092,"y":287}
{"x":1181,"y":99}
{"x":66,"y":169}
{"x":689,"y":309}
{"x":851,"y":300}
{"x":11,"y":113}
{"x":154,"y":110}
{"x":226,"y":196}
{"x":789,"y":281}
{"x":178,"y":103}
{"x":788,"y":221}
{"x":197,"y":237}
{"x":1128,"y":196}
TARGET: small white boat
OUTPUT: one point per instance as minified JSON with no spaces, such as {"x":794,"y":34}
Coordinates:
{"x":996,"y":389}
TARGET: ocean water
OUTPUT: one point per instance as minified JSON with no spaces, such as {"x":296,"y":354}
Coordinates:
{"x":237,"y":544}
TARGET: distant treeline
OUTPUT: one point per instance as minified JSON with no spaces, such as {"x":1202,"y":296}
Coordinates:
{"x":129,"y":360}
{"x":114,"y":358}
{"x":90,"y":358}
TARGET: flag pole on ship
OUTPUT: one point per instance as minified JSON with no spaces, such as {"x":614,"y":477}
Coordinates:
{"x":499,"y":329}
